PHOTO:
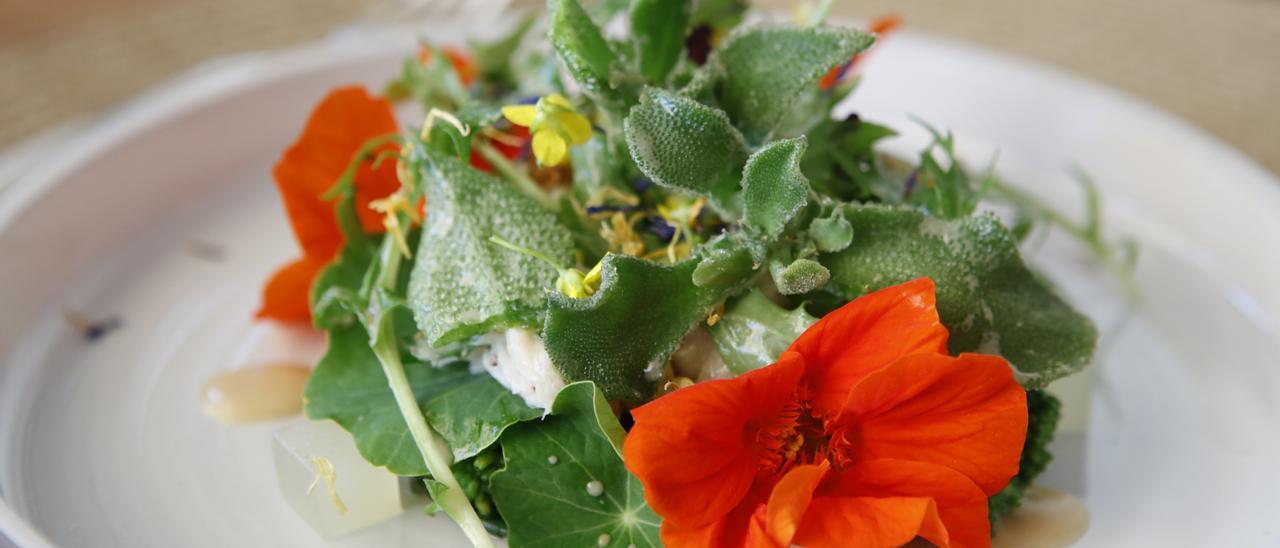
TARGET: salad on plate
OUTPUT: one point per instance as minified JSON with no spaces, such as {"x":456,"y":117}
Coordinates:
{"x":643,"y":288}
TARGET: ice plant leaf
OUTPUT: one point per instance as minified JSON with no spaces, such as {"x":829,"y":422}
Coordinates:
{"x":681,"y":143}
{"x":658,"y":30}
{"x":765,"y":68}
{"x":831,"y":234}
{"x":799,"y":276}
{"x":753,"y":332}
{"x":348,"y":386}
{"x":621,"y":337}
{"x":727,"y":262}
{"x":463,"y":284}
{"x":987,"y":297}
{"x":564,"y":483}
{"x":581,"y":46}
{"x":773,"y":188}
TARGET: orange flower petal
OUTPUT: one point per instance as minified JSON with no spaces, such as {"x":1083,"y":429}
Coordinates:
{"x":790,"y":500}
{"x":731,"y":531}
{"x":695,"y":451}
{"x":966,"y":413}
{"x":865,"y":522}
{"x":287,"y":296}
{"x":335,"y":131}
{"x":895,"y":499}
{"x":866,"y":335}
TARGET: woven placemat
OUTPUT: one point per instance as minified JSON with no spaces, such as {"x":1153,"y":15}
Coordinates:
{"x":1212,"y":62}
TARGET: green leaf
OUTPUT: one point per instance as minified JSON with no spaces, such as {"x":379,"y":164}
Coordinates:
{"x":348,"y":386}
{"x":582,"y":47}
{"x":949,"y":192}
{"x":773,"y":188}
{"x":798,"y":276}
{"x":464,"y":285}
{"x":335,"y":291}
{"x":727,"y":262}
{"x":622,"y":336}
{"x":543,"y":492}
{"x":657,"y":30}
{"x":832,"y":233}
{"x":841,"y":161}
{"x":767,"y":67}
{"x":753,"y":332}
{"x":987,"y":297}
{"x":680,"y":143}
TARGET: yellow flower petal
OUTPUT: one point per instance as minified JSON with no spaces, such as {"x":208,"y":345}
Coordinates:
{"x":558,"y":100}
{"x":549,"y":147}
{"x":577,"y":126}
{"x":520,"y":115}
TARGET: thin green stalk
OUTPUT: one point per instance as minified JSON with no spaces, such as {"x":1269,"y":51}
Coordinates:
{"x":509,"y":170}
{"x":435,"y":452}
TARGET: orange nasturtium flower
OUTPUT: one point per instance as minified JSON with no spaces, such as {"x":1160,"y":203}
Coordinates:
{"x":863,"y":433}
{"x":335,"y":131}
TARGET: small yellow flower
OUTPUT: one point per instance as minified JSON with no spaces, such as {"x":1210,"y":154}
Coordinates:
{"x":390,"y":207}
{"x":554,"y":126}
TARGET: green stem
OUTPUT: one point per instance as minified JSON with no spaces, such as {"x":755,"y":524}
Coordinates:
{"x":435,"y":452}
{"x":389,"y":256}
{"x":509,"y":170}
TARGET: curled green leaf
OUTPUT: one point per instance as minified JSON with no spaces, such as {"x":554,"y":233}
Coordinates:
{"x":773,"y":188}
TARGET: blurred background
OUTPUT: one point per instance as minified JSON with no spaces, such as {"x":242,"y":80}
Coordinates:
{"x":1215,"y":63}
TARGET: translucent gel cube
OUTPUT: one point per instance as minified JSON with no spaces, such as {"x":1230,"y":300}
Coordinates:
{"x":370,"y":494}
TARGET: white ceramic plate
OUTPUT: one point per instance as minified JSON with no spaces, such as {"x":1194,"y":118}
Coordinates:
{"x":103,"y":444}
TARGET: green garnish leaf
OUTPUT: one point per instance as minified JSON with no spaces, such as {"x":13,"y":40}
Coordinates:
{"x":727,"y":262}
{"x":773,"y":188}
{"x":335,"y":292}
{"x":582,"y":47}
{"x":348,"y":386}
{"x":680,"y":143}
{"x":987,"y":297}
{"x":754,"y":331}
{"x":841,"y":161}
{"x":464,"y":285}
{"x":798,"y":276}
{"x":564,"y":483}
{"x":949,"y":192}
{"x":621,"y":336}
{"x":765,"y":68}
{"x":658,"y":29}
{"x":832,"y":233}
